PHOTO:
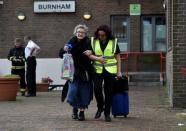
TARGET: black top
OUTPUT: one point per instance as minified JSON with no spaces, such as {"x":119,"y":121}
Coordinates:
{"x":104,"y":45}
{"x":17,"y":56}
{"x":82,"y":63}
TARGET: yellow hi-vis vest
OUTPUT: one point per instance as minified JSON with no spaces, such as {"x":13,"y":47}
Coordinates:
{"x":108,"y":54}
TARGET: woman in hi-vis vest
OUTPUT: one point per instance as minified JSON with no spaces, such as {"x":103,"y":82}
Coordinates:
{"x":106,"y":61}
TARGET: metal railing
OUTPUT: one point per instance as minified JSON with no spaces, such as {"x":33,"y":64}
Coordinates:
{"x":126,"y":56}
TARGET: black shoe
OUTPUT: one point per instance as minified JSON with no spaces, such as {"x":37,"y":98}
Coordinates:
{"x":34,"y":94}
{"x":107,"y":118}
{"x":81,"y":116}
{"x":98,"y":114}
{"x":74,"y":116}
{"x":30,"y":95}
{"x":75,"y":113}
{"x":22,"y":93}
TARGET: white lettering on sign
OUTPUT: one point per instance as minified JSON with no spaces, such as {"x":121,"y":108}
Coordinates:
{"x":54,"y":6}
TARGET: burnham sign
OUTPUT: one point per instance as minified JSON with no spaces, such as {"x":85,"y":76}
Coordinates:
{"x":54,"y":6}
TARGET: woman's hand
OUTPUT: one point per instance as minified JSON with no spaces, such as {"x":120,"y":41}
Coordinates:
{"x":87,"y":52}
{"x":101,"y":59}
{"x":119,"y":75}
{"x":65,"y":48}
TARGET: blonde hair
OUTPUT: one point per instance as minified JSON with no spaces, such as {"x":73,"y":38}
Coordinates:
{"x":82,"y":26}
{"x":18,"y":40}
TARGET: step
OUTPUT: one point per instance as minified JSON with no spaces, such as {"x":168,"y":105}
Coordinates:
{"x":144,"y":77}
{"x":144,"y":84}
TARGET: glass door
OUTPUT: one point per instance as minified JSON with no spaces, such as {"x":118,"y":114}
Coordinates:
{"x":120,"y":27}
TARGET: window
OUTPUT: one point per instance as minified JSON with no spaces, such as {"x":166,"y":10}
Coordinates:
{"x":153,"y":33}
{"x":120,"y":27}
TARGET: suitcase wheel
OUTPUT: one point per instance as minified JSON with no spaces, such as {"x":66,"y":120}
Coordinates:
{"x":114,"y":116}
{"x":125,"y":116}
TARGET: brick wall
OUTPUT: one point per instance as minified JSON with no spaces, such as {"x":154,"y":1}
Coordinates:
{"x":179,"y":53}
{"x":52,"y":30}
{"x":176,"y":55}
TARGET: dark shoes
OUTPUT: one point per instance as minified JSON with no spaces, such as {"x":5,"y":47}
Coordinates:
{"x":81,"y":116}
{"x":75,"y":113}
{"x":22,"y":93}
{"x":75,"y":116}
{"x":30,"y":95}
{"x":107,"y":118}
{"x":98,"y":114}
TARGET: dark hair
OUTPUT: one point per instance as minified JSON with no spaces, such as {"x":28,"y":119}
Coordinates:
{"x":27,"y":37}
{"x":106,"y":29}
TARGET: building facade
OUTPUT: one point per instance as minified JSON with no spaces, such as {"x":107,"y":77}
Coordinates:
{"x":139,"y":25}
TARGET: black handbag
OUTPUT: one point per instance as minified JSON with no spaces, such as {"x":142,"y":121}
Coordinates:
{"x":120,"y":85}
{"x":64,"y":91}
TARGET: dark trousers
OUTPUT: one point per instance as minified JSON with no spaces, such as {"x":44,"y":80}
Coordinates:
{"x":103,"y":101}
{"x":31,"y":75}
{"x":21,"y":73}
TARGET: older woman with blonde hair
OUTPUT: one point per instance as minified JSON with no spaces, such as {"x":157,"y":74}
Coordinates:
{"x":80,"y":89}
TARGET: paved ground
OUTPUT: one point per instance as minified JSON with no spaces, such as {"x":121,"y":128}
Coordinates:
{"x":149,"y":111}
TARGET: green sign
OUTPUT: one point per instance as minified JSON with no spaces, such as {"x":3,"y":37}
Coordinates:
{"x":135,"y":9}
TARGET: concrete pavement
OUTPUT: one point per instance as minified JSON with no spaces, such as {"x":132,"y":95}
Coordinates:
{"x":149,"y":111}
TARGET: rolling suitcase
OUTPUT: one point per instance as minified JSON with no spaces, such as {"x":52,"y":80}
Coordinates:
{"x":120,"y":104}
{"x":120,"y":98}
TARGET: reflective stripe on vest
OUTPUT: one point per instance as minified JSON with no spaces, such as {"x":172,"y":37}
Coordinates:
{"x":108,"y":54}
{"x":18,"y":67}
{"x":22,"y":90}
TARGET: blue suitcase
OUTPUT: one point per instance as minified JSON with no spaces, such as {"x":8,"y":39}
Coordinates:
{"x":120,"y":104}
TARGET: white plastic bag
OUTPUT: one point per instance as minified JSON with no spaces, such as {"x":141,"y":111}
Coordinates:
{"x":67,"y":70}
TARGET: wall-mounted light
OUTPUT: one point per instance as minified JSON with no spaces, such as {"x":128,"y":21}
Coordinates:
{"x":1,"y":2}
{"x":87,"y":15}
{"x":21,"y":16}
{"x":164,"y":4}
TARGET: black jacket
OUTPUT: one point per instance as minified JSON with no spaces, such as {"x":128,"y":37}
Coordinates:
{"x":17,"y":56}
{"x":82,"y":63}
